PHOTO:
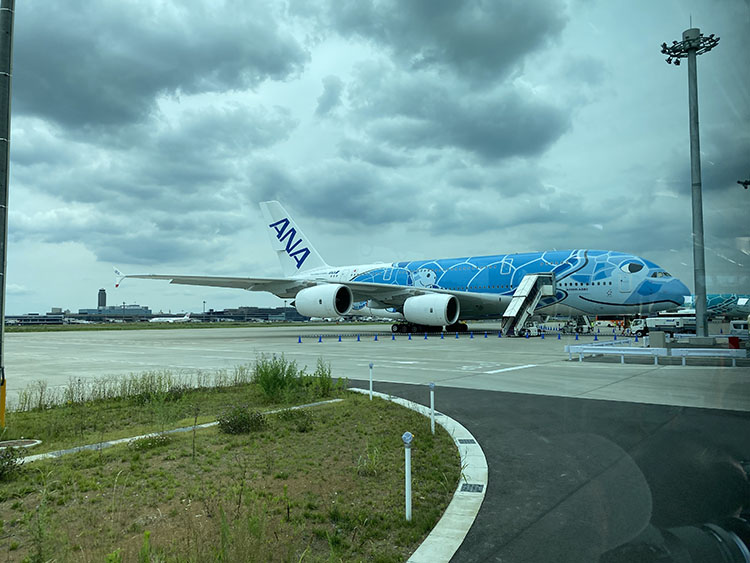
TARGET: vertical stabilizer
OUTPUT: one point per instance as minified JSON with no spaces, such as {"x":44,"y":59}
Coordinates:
{"x":293,"y":248}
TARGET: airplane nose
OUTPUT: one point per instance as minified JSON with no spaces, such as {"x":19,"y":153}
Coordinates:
{"x":676,"y":291}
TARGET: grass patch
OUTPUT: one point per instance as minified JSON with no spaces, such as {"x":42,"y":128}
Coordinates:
{"x":291,"y":491}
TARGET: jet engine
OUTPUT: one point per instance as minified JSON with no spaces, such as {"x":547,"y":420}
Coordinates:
{"x":434,"y":309}
{"x":328,"y":300}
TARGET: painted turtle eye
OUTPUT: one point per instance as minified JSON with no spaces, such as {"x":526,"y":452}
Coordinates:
{"x":631,"y":267}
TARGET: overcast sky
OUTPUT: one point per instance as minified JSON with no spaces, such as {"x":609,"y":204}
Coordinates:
{"x":144,"y":133}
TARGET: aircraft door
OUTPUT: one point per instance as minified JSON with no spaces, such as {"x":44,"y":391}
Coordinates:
{"x":625,"y":285}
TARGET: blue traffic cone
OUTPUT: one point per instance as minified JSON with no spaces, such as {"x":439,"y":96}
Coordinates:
{"x":339,"y":338}
{"x":576,"y":336}
{"x":595,"y":338}
{"x":410,"y":336}
{"x":376,"y":338}
{"x":358,"y":340}
{"x":542,"y":334}
{"x":393,"y":337}
{"x":320,"y":339}
{"x":442,"y":336}
{"x":527,"y":334}
{"x":456,"y":334}
{"x":499,"y":333}
{"x":299,"y":340}
{"x":485,"y":334}
{"x":558,"y":336}
{"x":471,"y":335}
{"x":615,"y":337}
{"x":425,"y":336}
{"x":636,"y":338}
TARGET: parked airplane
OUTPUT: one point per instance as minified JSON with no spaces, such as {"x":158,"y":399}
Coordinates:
{"x":441,"y":292}
{"x":185,"y":319}
{"x":730,"y":305}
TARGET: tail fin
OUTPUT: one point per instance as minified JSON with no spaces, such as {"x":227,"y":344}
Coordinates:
{"x":292,"y":247}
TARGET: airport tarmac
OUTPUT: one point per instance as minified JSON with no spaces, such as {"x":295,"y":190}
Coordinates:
{"x":581,"y":456}
{"x":536,"y":366}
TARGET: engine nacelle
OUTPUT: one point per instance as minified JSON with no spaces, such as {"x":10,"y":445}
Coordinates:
{"x":328,"y":300}
{"x":434,"y":309}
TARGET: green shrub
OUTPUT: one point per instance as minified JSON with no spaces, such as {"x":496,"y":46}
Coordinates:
{"x":241,"y":420}
{"x":275,"y":375}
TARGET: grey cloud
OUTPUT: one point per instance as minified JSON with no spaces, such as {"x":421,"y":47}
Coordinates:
{"x":129,"y":53}
{"x":165,"y":162}
{"x":483,"y":41}
{"x":331,"y":96}
{"x":416,"y":111}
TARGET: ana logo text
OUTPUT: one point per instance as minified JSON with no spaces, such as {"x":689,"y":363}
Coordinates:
{"x":283,"y":231}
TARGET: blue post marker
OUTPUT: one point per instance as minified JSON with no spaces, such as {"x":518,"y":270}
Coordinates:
{"x":499,"y":333}
{"x":595,"y":338}
{"x":485,"y":334}
{"x":558,"y":336}
{"x":456,"y":334}
{"x":471,"y":335}
{"x":442,"y":335}
{"x":527,"y":334}
{"x":320,"y":338}
{"x":339,"y":338}
{"x":425,"y":336}
{"x":393,"y":337}
{"x":299,"y":340}
{"x":615,"y":337}
{"x":576,"y":336}
{"x":358,"y":338}
{"x":410,"y":336}
{"x":376,"y":338}
{"x":542,"y":334}
{"x":636,"y":338}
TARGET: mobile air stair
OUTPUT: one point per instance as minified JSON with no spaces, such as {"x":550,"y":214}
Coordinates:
{"x":525,"y":299}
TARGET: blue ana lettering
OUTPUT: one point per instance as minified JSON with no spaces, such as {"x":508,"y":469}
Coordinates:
{"x":299,"y":256}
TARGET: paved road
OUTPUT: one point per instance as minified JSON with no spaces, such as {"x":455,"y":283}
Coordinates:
{"x":582,"y":456}
{"x":572,"y":478}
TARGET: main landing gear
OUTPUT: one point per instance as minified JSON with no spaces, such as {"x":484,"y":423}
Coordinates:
{"x":411,"y":328}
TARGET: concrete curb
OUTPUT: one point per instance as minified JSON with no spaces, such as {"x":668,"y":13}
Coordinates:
{"x":449,"y":533}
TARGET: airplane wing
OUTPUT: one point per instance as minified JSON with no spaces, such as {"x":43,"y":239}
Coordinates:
{"x":284,"y":288}
{"x":287,"y":288}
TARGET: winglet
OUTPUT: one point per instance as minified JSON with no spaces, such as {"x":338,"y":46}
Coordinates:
{"x":119,"y":276}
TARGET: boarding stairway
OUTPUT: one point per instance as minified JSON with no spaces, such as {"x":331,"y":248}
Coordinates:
{"x":525,"y":299}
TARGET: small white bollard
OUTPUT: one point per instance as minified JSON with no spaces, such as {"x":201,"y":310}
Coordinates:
{"x":432,"y":407}
{"x":371,"y":364}
{"x":407,"y":438}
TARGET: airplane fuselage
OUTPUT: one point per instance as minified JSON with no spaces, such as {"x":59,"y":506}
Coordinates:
{"x":591,"y":282}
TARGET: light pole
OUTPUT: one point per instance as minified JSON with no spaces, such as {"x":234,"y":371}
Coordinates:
{"x":693,"y":44}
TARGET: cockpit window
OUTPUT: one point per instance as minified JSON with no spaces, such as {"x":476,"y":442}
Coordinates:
{"x":631,"y":267}
{"x":661,"y":275}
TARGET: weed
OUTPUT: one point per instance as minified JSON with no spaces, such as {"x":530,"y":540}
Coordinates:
{"x":150,"y":442}
{"x":275,"y":375}
{"x":241,"y":420}
{"x":302,"y":419}
{"x":370,"y":463}
{"x":10,"y":462}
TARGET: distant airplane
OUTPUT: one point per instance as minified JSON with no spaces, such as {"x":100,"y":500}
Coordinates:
{"x":185,"y":319}
{"x":730,"y":305}
{"x":424,"y":294}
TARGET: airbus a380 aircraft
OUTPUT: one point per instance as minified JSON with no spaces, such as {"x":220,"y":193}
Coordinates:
{"x":441,"y":292}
